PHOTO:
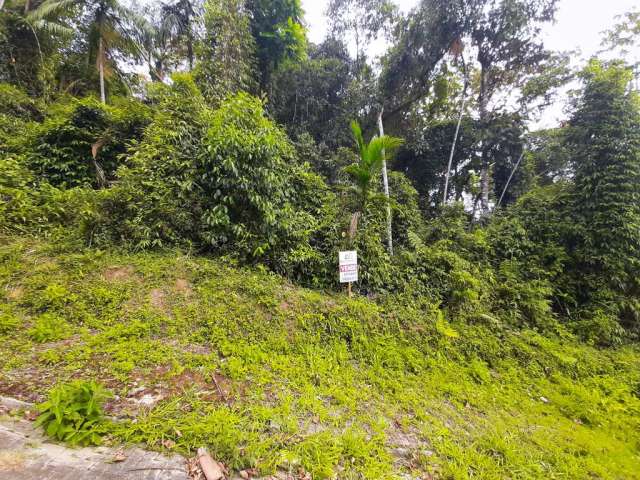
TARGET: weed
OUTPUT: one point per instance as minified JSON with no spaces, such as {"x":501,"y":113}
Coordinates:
{"x":8,"y":321}
{"x":49,"y":327}
{"x":269,"y":376}
{"x":73,"y":413}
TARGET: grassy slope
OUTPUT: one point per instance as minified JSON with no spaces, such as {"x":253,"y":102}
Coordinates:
{"x":268,"y":375}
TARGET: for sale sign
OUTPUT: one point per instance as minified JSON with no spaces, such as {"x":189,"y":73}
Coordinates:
{"x":348,"y":266}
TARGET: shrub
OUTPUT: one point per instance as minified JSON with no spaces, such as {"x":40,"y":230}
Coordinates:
{"x":223,"y":180}
{"x":48,"y":328}
{"x":16,"y":103}
{"x":523,"y":302}
{"x":81,"y":141}
{"x":17,"y":200}
{"x":246,"y":174}
{"x":18,"y":114}
{"x":73,"y":412}
{"x":156,"y":201}
{"x":407,"y":217}
{"x":444,"y":276}
{"x":8,"y":321}
{"x":31,"y":206}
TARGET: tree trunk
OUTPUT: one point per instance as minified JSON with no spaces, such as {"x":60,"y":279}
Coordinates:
{"x":484,"y":169}
{"x":1,"y":4}
{"x":385,"y":182}
{"x":190,"y":53}
{"x":475,"y":207}
{"x":103,"y":98}
{"x":506,"y":186}
{"x":453,"y":146}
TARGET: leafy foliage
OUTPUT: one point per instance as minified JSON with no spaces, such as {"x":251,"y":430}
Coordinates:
{"x":227,"y":51}
{"x":48,"y":328}
{"x":605,"y":146}
{"x":231,"y":174}
{"x":317,"y":381}
{"x":276,"y":26}
{"x":81,"y":141}
{"x":371,"y":156}
{"x":316,"y":96}
{"x":73,"y":413}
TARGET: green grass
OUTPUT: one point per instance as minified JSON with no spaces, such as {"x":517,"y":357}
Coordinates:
{"x":272,"y":376}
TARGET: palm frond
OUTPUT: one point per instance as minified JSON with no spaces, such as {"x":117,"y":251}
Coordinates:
{"x":380,"y":146}
{"x":51,"y":8}
{"x":53,"y":28}
{"x":371,"y":157}
{"x":357,"y":135}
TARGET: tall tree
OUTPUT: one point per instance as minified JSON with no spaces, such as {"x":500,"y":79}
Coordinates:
{"x":604,"y":141}
{"x":108,"y":29}
{"x":506,"y":35}
{"x":624,"y":40}
{"x":505,"y":58}
{"x":157,"y":43}
{"x":424,"y":38}
{"x":360,"y":21}
{"x":315,"y":95}
{"x":180,"y":18}
{"x":28,"y":47}
{"x":276,"y":26}
{"x":227,"y":52}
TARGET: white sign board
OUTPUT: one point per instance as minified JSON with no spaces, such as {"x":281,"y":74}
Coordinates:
{"x":348,"y":266}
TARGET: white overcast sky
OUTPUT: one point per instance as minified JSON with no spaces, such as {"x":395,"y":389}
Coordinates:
{"x":578,"y":22}
{"x":579,"y":26}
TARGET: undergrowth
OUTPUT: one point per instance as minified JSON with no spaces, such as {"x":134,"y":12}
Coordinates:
{"x":271,"y":376}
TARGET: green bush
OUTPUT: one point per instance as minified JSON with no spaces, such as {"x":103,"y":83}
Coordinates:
{"x":523,"y":302}
{"x":81,"y":141}
{"x":18,"y":114}
{"x":17,"y":199}
{"x":16,"y":103}
{"x":8,"y":321}
{"x":224,"y":180}
{"x":31,"y":206}
{"x":246,"y":175}
{"x":407,"y":217}
{"x":73,"y":413}
{"x":445,"y":277}
{"x":48,"y":328}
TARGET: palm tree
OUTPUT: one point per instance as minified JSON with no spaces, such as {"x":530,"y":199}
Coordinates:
{"x":109,"y":28}
{"x":178,"y":20}
{"x":157,"y":42}
{"x":370,"y":159}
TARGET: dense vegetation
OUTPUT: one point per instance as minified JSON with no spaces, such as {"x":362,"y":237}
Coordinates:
{"x":268,"y":375}
{"x":498,"y":266}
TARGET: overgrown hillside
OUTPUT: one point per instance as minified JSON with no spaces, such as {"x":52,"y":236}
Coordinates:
{"x":178,"y":178}
{"x":271,"y":376}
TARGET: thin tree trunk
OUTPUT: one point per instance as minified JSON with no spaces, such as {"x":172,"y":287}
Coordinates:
{"x":484,"y":185}
{"x":1,"y":4}
{"x":484,"y":169}
{"x":385,"y":182}
{"x":453,"y":146}
{"x":190,"y":53}
{"x":475,"y":207}
{"x":509,"y":179}
{"x":103,"y":98}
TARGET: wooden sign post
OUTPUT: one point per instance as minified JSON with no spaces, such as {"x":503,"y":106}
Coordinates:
{"x":348,"y":264}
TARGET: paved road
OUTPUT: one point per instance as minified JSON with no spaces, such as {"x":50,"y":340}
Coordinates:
{"x":25,"y":454}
